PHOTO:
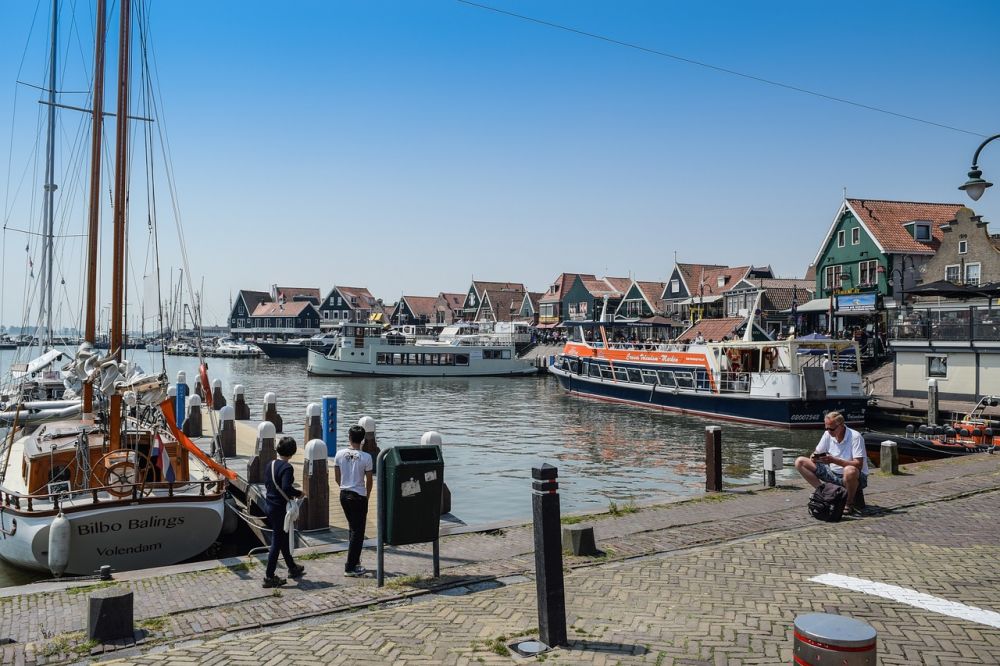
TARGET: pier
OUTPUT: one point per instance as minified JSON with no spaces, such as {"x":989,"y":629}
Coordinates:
{"x":642,"y":600}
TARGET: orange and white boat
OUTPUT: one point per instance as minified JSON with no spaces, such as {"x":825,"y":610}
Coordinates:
{"x":772,"y":382}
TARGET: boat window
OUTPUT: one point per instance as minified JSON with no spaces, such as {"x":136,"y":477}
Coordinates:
{"x":606,"y":372}
{"x":684,"y":379}
{"x":574,"y":367}
{"x":461,"y":359}
{"x":649,"y":376}
{"x":576,"y":334}
{"x":621,"y":374}
{"x":383,"y":359}
{"x":634,"y":375}
{"x":505,"y":353}
{"x":594,"y":370}
{"x":666,"y":378}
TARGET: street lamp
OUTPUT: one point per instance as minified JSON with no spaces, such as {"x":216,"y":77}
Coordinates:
{"x":900,"y":275}
{"x":976,"y":186}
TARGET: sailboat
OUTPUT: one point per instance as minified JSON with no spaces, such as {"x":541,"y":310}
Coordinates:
{"x":121,"y":485}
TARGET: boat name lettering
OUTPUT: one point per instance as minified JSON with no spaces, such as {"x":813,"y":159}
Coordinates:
{"x":128,"y":550}
{"x":100,"y":527}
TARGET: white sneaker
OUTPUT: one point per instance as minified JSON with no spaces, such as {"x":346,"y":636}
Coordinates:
{"x":356,"y":571}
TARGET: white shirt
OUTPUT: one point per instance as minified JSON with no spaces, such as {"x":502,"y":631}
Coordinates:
{"x":827,"y":364}
{"x":353,"y":464}
{"x":853,"y":446}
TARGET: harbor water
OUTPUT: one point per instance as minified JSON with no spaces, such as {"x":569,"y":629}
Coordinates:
{"x":496,"y":429}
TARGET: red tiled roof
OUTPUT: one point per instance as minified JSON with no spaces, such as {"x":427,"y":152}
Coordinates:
{"x":652,"y":292}
{"x":885,"y":220}
{"x":709,"y":276}
{"x":454,"y":301}
{"x":291,"y":293}
{"x":287,"y":309}
{"x":422,"y":306}
{"x":504,"y":303}
{"x":365,"y":298}
{"x":564,"y":282}
{"x":254,"y":298}
{"x":619,"y":283}
{"x":606,"y":286}
{"x":690,"y":273}
{"x":535,"y":297}
{"x":712,"y":329}
{"x":483,"y":287}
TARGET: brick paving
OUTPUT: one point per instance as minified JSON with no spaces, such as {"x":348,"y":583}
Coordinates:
{"x":731,"y":602}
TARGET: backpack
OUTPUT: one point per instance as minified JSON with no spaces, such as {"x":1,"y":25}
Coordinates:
{"x":827,"y":502}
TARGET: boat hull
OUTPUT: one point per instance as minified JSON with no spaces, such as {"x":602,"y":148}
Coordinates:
{"x":782,"y":412}
{"x":321,"y":365}
{"x":126,"y":538}
{"x":283,"y":350}
{"x":915,"y":449}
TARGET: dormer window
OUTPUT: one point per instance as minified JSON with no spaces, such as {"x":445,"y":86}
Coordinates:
{"x":721,"y":281}
{"x":922,"y":231}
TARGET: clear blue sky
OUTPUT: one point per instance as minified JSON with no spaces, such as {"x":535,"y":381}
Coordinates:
{"x":408,"y":146}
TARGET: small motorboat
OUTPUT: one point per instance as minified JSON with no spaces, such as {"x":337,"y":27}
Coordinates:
{"x":972,"y":434}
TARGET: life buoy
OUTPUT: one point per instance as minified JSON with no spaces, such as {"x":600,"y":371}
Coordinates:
{"x":205,"y":386}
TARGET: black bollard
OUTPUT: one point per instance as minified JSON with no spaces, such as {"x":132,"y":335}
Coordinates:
{"x":227,"y":431}
{"x":218,"y":400}
{"x":264,"y":453}
{"x":713,"y":459}
{"x":271,"y":411}
{"x":314,"y":422}
{"x":192,"y":424}
{"x":315,"y":514}
{"x":110,"y":615}
{"x":242,"y":408}
{"x":548,"y":555}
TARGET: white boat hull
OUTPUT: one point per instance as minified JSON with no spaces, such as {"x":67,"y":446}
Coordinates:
{"x":130,"y":537}
{"x":318,"y":364}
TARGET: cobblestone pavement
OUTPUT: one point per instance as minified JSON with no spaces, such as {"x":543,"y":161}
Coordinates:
{"x":759,"y":584}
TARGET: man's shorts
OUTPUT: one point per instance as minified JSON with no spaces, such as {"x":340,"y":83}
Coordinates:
{"x":824,"y":473}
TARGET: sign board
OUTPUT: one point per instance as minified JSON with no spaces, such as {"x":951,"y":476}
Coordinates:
{"x":856,"y":302}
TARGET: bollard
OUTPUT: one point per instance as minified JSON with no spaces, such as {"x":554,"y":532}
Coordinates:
{"x":315,"y":511}
{"x":330,"y":425}
{"x":110,"y":615}
{"x":932,"y":402}
{"x":773,"y":461}
{"x":227,"y":431}
{"x":431,"y":438}
{"x":263,"y":453}
{"x":180,"y":407}
{"x":888,"y":457}
{"x":822,"y":638}
{"x":314,"y":422}
{"x":548,"y":555}
{"x":242,"y":408}
{"x":192,"y":424}
{"x":579,"y":540}
{"x":370,"y":445}
{"x":713,"y":459}
{"x":199,"y":390}
{"x":271,"y":411}
{"x":218,"y":400}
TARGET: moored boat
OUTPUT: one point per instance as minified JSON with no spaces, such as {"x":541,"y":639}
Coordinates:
{"x":972,"y":434}
{"x":771,"y":382}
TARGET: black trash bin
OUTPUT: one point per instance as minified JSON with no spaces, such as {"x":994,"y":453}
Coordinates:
{"x":414,"y":476}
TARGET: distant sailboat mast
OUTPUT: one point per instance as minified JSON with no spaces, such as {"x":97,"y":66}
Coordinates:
{"x":48,"y":213}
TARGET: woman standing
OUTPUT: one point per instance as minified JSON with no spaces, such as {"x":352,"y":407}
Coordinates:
{"x":278,"y":480}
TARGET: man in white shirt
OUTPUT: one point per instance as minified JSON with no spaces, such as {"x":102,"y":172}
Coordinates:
{"x":352,"y":469}
{"x":839,"y":458}
{"x":827,"y":363}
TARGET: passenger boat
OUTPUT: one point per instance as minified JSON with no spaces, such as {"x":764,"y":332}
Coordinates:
{"x":773,"y":382}
{"x":365,"y":349}
{"x":126,"y":488}
{"x":972,"y":434}
{"x":297,"y":347}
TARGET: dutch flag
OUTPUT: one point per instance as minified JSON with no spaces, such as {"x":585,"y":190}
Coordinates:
{"x":162,"y":461}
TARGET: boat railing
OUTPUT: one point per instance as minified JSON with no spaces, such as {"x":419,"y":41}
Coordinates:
{"x":734,"y":382}
{"x":131,"y":492}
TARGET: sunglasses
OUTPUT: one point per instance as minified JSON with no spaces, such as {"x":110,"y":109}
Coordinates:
{"x":833,"y":428}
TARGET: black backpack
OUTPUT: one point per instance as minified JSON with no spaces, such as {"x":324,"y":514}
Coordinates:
{"x":827,"y":502}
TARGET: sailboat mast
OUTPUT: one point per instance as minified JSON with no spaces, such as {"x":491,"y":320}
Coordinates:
{"x":90,"y":327}
{"x":48,"y":213}
{"x":120,"y":203}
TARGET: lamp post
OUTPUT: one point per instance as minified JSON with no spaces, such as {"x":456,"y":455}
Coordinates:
{"x":976,"y":186}
{"x":900,"y":275}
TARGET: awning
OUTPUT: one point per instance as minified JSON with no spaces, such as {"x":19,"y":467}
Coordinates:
{"x":698,"y":300}
{"x":815,"y":305}
{"x":552,"y":325}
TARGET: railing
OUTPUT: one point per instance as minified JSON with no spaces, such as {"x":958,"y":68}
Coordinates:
{"x":109,"y":494}
{"x":949,"y":326}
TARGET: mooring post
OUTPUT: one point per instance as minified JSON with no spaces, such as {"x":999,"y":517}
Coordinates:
{"x":192,"y":424}
{"x":271,"y":410}
{"x":888,"y":460}
{"x":370,"y":445}
{"x":263,"y":452}
{"x":242,"y":408}
{"x":316,"y":487}
{"x":227,"y":431}
{"x":330,"y":424}
{"x":774,"y":458}
{"x":548,"y":555}
{"x":432,"y":438}
{"x":314,"y":422}
{"x":180,"y":406}
{"x":823,"y":638}
{"x":713,"y":459}
{"x":218,"y":400}
{"x":932,"y":402}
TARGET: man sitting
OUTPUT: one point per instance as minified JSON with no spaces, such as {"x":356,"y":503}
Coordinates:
{"x":839,"y":458}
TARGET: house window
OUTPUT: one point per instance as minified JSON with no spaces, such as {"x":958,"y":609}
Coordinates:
{"x":937,"y":366}
{"x":972,"y":274}
{"x":922,"y":231}
{"x":841,"y":238}
{"x":867,"y":272}
{"x":963,"y":247}
{"x":953,"y":273}
{"x":326,"y":314}
{"x":675,"y":286}
{"x":831,"y":277}
{"x":855,"y":235}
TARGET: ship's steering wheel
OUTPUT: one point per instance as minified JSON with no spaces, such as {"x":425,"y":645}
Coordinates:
{"x":123,"y":474}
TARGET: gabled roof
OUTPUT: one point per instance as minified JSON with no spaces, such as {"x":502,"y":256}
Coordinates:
{"x":422,"y":306}
{"x":606,"y":286}
{"x":708,"y":275}
{"x":502,"y":303}
{"x":564,"y":282}
{"x":364,"y":297}
{"x":454,"y":301}
{"x":689,"y":273}
{"x":534,"y":297}
{"x":293,"y":293}
{"x":253,"y":298}
{"x":884,"y":221}
{"x":483,"y":287}
{"x":712,"y":329}
{"x":652,"y":291}
{"x":287,"y":309}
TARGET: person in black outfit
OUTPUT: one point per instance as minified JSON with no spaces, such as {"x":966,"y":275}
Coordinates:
{"x":277,"y":501}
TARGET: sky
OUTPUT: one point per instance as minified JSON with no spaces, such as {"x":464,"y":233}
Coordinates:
{"x":411,"y":146}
